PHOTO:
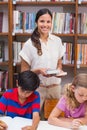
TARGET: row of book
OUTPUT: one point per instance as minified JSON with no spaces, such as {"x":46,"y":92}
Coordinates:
{"x":80,"y":1}
{"x":4,"y":21}
{"x":4,"y":0}
{"x":17,"y":46}
{"x":14,"y":1}
{"x":3,"y":51}
{"x":25,"y":22}
{"x":1,"y":21}
{"x":3,"y":80}
{"x":81,"y":54}
{"x":4,"y":77}
{"x":68,"y":57}
{"x":82,"y":23}
{"x":42,"y":0}
{"x":63,"y":23}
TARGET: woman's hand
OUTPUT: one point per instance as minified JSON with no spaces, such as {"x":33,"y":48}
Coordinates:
{"x":43,"y":71}
{"x":28,"y":128}
{"x":3,"y":125}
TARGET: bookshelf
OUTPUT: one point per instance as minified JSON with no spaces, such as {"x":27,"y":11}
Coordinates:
{"x":4,"y":40}
{"x":33,"y":6}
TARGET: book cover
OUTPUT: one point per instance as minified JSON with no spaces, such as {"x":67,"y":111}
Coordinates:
{"x":5,"y":22}
{"x":1,"y":21}
{"x":56,"y":72}
{"x":1,"y":75}
{"x":1,"y":51}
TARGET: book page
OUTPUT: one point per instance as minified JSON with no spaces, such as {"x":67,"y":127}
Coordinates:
{"x":62,"y":74}
{"x":18,"y":122}
{"x":15,"y":123}
{"x":52,"y":71}
{"x":84,"y":127}
{"x":56,"y":72}
{"x":43,"y":125}
{"x":8,"y":120}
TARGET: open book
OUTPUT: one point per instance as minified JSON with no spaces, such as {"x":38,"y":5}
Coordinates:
{"x":18,"y":122}
{"x":56,"y":72}
{"x":84,"y":127}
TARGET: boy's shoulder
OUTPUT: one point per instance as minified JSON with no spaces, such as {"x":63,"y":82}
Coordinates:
{"x":34,"y":96}
{"x":10,"y":92}
{"x":36,"y":93}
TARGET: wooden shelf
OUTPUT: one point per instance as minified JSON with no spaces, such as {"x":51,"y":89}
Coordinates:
{"x":4,"y":63}
{"x":68,"y":65}
{"x":3,"y":3}
{"x":82,"y":35}
{"x":57,"y":34}
{"x":83,"y":65}
{"x":65,"y":7}
{"x":44,"y":3}
{"x":83,"y":3}
{"x":3,"y":34}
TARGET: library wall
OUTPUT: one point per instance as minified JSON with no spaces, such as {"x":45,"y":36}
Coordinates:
{"x":78,"y":36}
{"x":55,"y":8}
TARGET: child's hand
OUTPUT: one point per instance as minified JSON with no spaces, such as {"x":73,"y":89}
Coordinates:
{"x":3,"y":125}
{"x":76,"y":123}
{"x":28,"y":128}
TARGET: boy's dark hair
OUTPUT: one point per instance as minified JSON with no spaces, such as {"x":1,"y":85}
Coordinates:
{"x":28,"y":80}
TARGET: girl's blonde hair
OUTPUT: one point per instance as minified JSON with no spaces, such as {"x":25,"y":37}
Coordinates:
{"x":79,"y":81}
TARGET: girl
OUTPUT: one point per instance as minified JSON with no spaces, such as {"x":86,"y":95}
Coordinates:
{"x":73,"y":103}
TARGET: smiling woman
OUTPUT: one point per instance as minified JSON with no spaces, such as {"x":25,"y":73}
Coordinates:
{"x":41,"y":52}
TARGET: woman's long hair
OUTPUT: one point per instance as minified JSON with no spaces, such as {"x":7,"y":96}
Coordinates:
{"x":36,"y":35}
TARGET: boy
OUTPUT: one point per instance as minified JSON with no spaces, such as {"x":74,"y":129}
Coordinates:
{"x":22,"y":101}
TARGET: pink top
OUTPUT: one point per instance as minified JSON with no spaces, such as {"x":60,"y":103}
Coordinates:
{"x":76,"y":113}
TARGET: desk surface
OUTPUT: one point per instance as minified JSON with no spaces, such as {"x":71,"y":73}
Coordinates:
{"x":18,"y":122}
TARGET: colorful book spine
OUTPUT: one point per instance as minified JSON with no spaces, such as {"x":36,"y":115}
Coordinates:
{"x":1,"y":21}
